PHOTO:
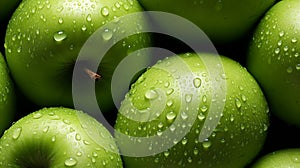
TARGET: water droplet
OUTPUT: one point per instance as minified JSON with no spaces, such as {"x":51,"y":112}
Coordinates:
{"x":204,"y":98}
{"x":294,"y":40}
{"x":206,"y":144}
{"x":59,"y":36}
{"x":201,"y":117}
{"x":77,"y":137}
{"x":197,"y":82}
{"x":170,"y":91}
{"x":166,"y":153}
{"x":204,"y":108}
{"x":184,"y":115}
{"x":188,"y":98}
{"x":107,"y":34}
{"x":171,"y":115}
{"x":105,"y":11}
{"x":184,"y":141}
{"x":279,"y":43}
{"x":83,"y":28}
{"x":17,"y":133}
{"x":45,"y":130}
{"x":89,"y":18}
{"x":37,"y":115}
{"x":244,"y":98}
{"x":60,"y":20}
{"x":289,"y":69}
{"x":151,"y":94}
{"x":281,"y":34}
{"x":296,"y":55}
{"x":196,"y":151}
{"x":298,"y":66}
{"x":286,"y":48}
{"x":238,"y":103}
{"x":169,"y":103}
{"x":70,"y":162}
{"x":277,"y":51}
{"x":53,"y":139}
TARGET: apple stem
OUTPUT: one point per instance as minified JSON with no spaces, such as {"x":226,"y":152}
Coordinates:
{"x":92,"y":75}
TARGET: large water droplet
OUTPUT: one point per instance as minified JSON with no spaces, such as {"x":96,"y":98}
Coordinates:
{"x":89,"y":18}
{"x":107,"y":34}
{"x":59,"y":36}
{"x":151,"y":94}
{"x":105,"y":11}
{"x":37,"y":115}
{"x":17,"y":133}
{"x":206,"y":144}
{"x":70,"y":162}
{"x":294,"y":40}
{"x":238,"y":103}
{"x":171,"y":115}
{"x":197,"y":82}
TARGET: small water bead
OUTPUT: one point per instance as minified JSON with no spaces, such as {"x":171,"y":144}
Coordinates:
{"x":59,"y":36}
{"x":206,"y":144}
{"x":298,"y":67}
{"x":294,"y":40}
{"x":53,"y":139}
{"x":166,"y":153}
{"x":105,"y":11}
{"x":107,"y":34}
{"x":188,"y":98}
{"x":77,"y":137}
{"x":60,"y":20}
{"x":201,"y":116}
{"x":197,"y":82}
{"x":89,"y":18}
{"x":238,"y":103}
{"x":169,"y":103}
{"x":37,"y":115}
{"x":17,"y":133}
{"x":70,"y":162}
{"x":83,"y":28}
{"x":184,"y":141}
{"x":151,"y":94}
{"x":277,"y":50}
{"x":289,"y":69}
{"x":170,"y":91}
{"x":281,"y":34}
{"x":204,"y":108}
{"x":279,"y":43}
{"x":184,"y":115}
{"x":45,"y":130}
{"x":171,"y":115}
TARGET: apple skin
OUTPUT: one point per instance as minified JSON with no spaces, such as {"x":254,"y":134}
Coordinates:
{"x":58,"y":137}
{"x":7,"y":97}
{"x":279,"y":159}
{"x":273,"y":59}
{"x":238,"y":137}
{"x":43,"y":41}
{"x":222,"y":20}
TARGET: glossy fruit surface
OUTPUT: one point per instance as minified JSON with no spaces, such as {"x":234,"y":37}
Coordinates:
{"x":58,"y":137}
{"x":222,"y":20}
{"x":44,"y":39}
{"x":7,"y":97}
{"x":279,"y":159}
{"x":274,"y":60}
{"x":184,"y":113}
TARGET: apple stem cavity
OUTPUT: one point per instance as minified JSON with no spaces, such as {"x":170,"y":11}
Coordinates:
{"x":92,"y":75}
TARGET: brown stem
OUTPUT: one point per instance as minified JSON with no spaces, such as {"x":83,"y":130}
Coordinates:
{"x":92,"y":75}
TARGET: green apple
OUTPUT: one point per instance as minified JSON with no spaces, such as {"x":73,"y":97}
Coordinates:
{"x":58,"y":137}
{"x":279,"y":159}
{"x":192,"y":111}
{"x":273,"y":59}
{"x":7,"y":97}
{"x":44,"y":39}
{"x":222,"y":20}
